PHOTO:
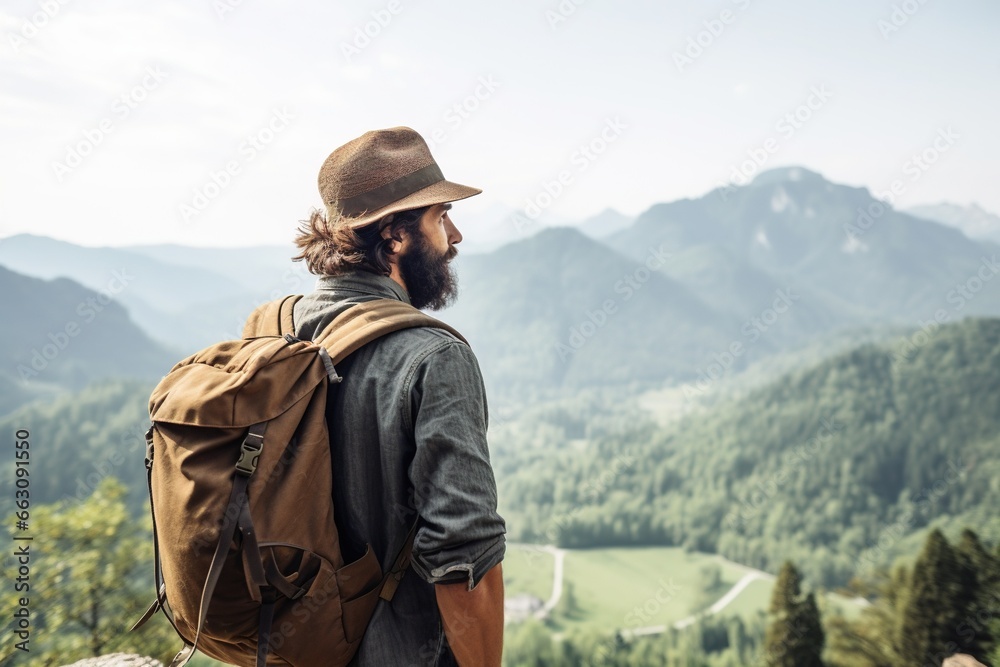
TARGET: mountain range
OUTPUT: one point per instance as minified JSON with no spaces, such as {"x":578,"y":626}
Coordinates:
{"x":691,"y":288}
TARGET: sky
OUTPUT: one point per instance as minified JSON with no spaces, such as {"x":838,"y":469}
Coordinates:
{"x":205,"y":122}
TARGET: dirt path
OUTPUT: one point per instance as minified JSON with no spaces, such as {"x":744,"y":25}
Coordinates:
{"x":559,"y":555}
{"x":716,"y":607}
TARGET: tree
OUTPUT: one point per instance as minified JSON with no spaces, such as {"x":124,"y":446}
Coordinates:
{"x":871,"y":640}
{"x":90,"y":579}
{"x":933,"y":608}
{"x":979,"y":574}
{"x":794,"y":637}
{"x":528,"y":644}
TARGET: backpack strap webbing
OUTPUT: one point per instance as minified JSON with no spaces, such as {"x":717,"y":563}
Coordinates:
{"x":273,"y":318}
{"x":361,"y":324}
{"x":391,"y":579}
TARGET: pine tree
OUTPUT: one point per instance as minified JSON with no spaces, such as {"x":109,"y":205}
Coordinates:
{"x":787,"y":588}
{"x":980,"y":587}
{"x":794,"y":637}
{"x":808,"y":623}
{"x":933,"y":608}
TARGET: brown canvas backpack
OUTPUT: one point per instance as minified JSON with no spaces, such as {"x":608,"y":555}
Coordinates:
{"x":248,"y":566}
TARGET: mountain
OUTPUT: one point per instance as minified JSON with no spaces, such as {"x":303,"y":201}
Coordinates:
{"x":183,"y":297}
{"x":252,"y":268}
{"x":497,"y":225}
{"x":974,"y":221}
{"x":852,"y":259}
{"x":786,"y":261}
{"x":604,"y":223}
{"x":560,"y":310}
{"x":155,"y":292}
{"x":63,"y":336}
{"x":840,"y":466}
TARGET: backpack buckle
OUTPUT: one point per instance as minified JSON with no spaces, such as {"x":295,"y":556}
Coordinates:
{"x":250,"y":451}
{"x":149,"y":448}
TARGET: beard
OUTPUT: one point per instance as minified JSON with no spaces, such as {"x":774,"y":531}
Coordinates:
{"x":430,"y":281}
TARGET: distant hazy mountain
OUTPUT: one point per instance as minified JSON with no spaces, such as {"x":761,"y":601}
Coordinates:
{"x":560,"y":310}
{"x":498,"y":225}
{"x":60,"y":335}
{"x":259,"y":267}
{"x":852,"y":259}
{"x":183,"y":297}
{"x":155,"y":292}
{"x":771,"y":266}
{"x":974,"y":221}
{"x":605,"y":223}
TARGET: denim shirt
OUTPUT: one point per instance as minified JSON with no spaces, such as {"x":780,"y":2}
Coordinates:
{"x":408,"y":438}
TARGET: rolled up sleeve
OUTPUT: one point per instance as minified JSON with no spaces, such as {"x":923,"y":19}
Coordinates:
{"x":460,"y":535}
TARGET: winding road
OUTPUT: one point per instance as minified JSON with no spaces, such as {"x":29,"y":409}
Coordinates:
{"x":716,"y":607}
{"x":557,"y":581}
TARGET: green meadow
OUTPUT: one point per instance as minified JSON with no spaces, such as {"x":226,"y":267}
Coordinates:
{"x":627,"y":588}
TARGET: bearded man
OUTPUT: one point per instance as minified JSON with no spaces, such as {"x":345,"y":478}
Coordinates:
{"x":408,"y":421}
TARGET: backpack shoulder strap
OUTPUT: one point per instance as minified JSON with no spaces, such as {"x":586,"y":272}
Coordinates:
{"x":273,"y":318}
{"x":364,"y":322}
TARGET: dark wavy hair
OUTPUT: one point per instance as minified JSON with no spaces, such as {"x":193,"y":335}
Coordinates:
{"x":330,"y":247}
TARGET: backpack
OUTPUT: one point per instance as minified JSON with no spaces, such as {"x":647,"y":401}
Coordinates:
{"x":247,"y":559}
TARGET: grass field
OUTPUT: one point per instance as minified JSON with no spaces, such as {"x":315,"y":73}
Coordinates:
{"x":528,"y":570}
{"x":627,"y":588}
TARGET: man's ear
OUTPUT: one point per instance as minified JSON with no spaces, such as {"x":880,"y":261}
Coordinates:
{"x":395,"y":246}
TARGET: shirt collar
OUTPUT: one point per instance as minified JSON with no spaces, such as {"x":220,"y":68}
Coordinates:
{"x":364,"y":282}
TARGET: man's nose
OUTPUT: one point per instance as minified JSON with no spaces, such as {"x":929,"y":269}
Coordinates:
{"x":454,"y":236}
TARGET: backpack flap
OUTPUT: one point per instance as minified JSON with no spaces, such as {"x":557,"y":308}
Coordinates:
{"x":236,"y":384}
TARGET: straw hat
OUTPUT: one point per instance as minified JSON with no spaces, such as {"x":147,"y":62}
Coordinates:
{"x":383,"y":172}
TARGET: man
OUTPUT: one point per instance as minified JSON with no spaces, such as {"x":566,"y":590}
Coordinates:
{"x":408,"y":432}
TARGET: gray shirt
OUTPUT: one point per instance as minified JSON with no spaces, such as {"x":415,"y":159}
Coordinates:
{"x":408,"y":438}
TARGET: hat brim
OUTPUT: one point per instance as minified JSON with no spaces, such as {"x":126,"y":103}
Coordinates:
{"x":441,"y":192}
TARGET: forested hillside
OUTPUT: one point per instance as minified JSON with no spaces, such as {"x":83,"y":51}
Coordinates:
{"x":59,"y":336}
{"x":81,"y":439}
{"x":832,"y":467}
{"x":837,"y":467}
